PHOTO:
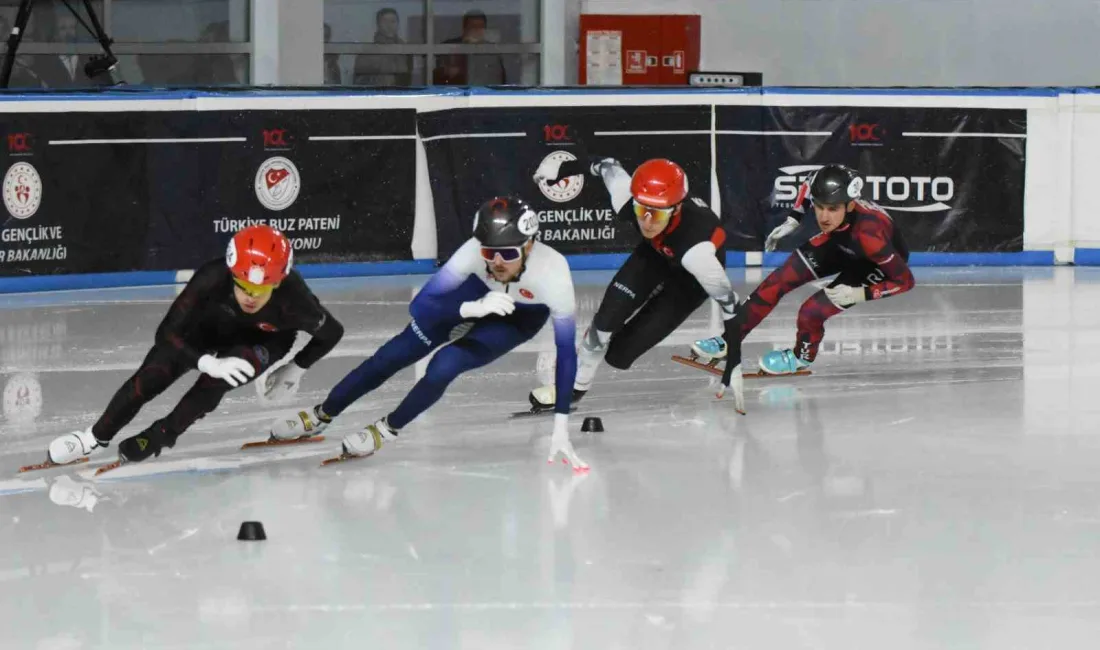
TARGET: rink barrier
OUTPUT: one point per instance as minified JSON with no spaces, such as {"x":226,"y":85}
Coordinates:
{"x":594,"y":262}
{"x":1086,"y":256}
{"x":1059,"y":122}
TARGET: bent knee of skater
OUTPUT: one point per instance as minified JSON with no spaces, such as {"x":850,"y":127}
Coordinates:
{"x":445,"y":366}
{"x":811,"y":316}
{"x":618,"y":359}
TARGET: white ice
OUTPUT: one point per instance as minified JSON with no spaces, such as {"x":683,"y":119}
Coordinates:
{"x":934,"y":484}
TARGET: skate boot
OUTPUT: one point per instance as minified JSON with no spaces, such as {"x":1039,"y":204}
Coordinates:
{"x":782,"y":362}
{"x":369,"y":439}
{"x":73,"y":446}
{"x":543,"y":398}
{"x":147,"y":443}
{"x":303,"y":424}
{"x":711,"y":349}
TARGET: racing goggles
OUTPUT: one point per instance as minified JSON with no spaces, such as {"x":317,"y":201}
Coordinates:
{"x":656,"y":215}
{"x":254,"y":290}
{"x":507,"y":253}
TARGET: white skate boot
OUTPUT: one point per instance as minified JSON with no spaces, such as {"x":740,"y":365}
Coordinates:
{"x":544,"y":398}
{"x":369,"y":439}
{"x":306,"y":423}
{"x":73,"y":446}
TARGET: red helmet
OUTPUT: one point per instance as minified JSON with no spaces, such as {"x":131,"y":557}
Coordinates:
{"x":259,"y":255}
{"x":659,"y":183}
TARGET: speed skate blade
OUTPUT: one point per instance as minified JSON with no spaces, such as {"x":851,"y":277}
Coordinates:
{"x":278,"y":443}
{"x":717,"y":370}
{"x":533,"y":412}
{"x":760,"y":374}
{"x":108,"y":467}
{"x":49,"y":464}
{"x":342,"y":457}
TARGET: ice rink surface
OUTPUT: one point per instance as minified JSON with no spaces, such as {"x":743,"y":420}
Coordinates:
{"x":934,"y":484}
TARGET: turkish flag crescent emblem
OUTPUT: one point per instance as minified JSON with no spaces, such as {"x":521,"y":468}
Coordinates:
{"x":275,"y":176}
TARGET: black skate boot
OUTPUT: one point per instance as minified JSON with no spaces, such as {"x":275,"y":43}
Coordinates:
{"x":147,"y":443}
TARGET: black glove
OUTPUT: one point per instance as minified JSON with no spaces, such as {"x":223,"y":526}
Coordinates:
{"x":731,"y":376}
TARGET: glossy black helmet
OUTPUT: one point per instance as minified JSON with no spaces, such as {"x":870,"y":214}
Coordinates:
{"x":505,"y":221}
{"x":835,"y":185}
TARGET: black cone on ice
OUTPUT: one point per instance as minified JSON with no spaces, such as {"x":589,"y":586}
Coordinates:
{"x":592,"y":425}
{"x":252,"y":531}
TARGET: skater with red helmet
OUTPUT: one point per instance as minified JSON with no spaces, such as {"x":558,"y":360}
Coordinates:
{"x":679,"y":264}
{"x":237,"y":316}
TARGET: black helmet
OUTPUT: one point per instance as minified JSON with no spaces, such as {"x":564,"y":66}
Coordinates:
{"x":835,"y":184}
{"x":505,"y":221}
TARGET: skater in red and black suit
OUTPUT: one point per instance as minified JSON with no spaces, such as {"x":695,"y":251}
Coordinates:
{"x":236,"y":318}
{"x":678,"y":266}
{"x":859,"y":243}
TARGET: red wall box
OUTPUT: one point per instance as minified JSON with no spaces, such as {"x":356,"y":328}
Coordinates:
{"x":656,"y":50}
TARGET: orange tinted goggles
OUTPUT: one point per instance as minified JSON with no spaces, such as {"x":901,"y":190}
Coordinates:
{"x":658,"y":215}
{"x":254,"y":290}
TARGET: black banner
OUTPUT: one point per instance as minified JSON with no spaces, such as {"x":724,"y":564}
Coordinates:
{"x":952,"y":178}
{"x":99,"y":192}
{"x":475,"y":154}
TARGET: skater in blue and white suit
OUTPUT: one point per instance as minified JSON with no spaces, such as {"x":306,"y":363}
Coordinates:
{"x":496,"y":292}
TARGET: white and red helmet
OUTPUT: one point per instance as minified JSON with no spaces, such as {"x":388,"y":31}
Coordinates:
{"x":260,"y":256}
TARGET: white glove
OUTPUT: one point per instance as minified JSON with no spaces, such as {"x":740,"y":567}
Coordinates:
{"x":596,"y":169}
{"x":548,"y":170}
{"x":844,"y":295}
{"x":494,"y":302}
{"x":781,"y":231}
{"x":233,"y":370}
{"x":560,"y":444}
{"x":283,"y":381}
{"x":737,"y":384}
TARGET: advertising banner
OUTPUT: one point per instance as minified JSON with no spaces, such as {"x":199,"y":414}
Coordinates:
{"x":951,"y":178}
{"x":102,"y":192}
{"x":475,"y":154}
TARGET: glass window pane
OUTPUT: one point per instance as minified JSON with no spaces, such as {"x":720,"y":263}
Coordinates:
{"x":374,"y":21}
{"x":50,"y":71}
{"x":184,"y":69}
{"x":179,"y":21}
{"x":51,"y":21}
{"x":486,"y":70}
{"x":486,"y":21}
{"x":393,"y":70}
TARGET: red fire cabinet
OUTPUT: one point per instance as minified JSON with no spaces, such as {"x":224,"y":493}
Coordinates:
{"x":638,"y":50}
